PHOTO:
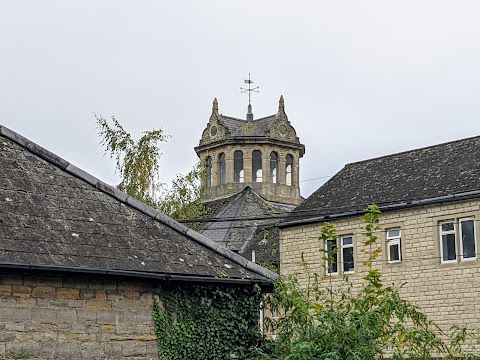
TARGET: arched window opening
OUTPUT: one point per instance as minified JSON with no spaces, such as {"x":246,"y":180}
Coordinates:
{"x":238,"y":174}
{"x":273,"y":167}
{"x":223,"y":172}
{"x":288,"y":169}
{"x":208,"y":171}
{"x":257,"y":166}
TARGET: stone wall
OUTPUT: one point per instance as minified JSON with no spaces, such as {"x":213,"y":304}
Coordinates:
{"x":75,"y":317}
{"x":277,"y":192}
{"x":447,"y":292}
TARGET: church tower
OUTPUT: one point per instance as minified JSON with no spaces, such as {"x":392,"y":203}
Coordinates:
{"x":262,"y":154}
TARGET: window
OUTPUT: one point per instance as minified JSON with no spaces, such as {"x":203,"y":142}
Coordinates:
{"x":447,"y":240}
{"x":345,"y":256}
{"x":273,"y":167}
{"x":238,"y":166}
{"x":332,"y":256}
{"x":208,"y":169}
{"x":394,"y":245}
{"x":468,"y":246}
{"x":257,"y":166}
{"x":288,"y":169}
{"x":459,"y":239}
{"x":223,"y":172}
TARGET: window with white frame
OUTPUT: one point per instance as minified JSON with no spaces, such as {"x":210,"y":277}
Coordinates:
{"x":340,"y":258}
{"x":394,"y":245}
{"x":347,"y":254}
{"x":468,"y":243}
{"x":458,"y":237}
{"x":448,"y":241}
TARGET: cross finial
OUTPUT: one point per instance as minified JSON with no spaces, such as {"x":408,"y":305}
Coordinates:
{"x":250,"y":89}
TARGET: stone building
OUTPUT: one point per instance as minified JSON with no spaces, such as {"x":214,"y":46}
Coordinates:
{"x":252,"y":181}
{"x":81,"y":262}
{"x":430,"y":202}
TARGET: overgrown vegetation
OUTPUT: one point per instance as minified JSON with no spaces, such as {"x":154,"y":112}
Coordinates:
{"x":137,"y":163}
{"x":326,"y":321}
{"x":206,"y":322}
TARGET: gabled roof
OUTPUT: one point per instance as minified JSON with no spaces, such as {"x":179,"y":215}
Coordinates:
{"x":235,"y":218}
{"x":434,"y":174}
{"x":242,"y":221}
{"x":54,"y":215}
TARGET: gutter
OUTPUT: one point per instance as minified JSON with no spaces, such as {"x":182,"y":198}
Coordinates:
{"x":398,"y":206}
{"x":135,"y":274}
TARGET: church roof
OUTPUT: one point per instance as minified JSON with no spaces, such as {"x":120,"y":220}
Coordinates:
{"x":55,"y":216}
{"x":434,"y":174}
{"x":222,"y":129}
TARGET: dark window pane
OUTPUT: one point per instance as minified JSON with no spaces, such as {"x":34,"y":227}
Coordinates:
{"x":209,"y":171}
{"x":348,"y":264}
{"x":448,"y":246}
{"x":447,"y":226}
{"x":468,"y":238}
{"x":223,"y":172}
{"x":332,"y":255}
{"x":394,"y":252}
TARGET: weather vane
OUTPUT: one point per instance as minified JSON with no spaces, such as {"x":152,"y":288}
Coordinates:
{"x":250,"y":89}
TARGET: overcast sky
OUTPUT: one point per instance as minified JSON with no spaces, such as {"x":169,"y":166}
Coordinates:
{"x":360,"y":78}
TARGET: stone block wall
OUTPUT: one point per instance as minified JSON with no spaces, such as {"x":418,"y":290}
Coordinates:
{"x":278,"y":192}
{"x":447,"y":292}
{"x":76,"y":317}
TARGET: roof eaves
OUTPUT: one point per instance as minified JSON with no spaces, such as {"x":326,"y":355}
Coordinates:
{"x":132,"y":202}
{"x":390,"y":207}
{"x":131,"y":273}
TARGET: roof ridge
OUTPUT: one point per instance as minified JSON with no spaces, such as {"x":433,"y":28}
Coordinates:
{"x":134,"y":203}
{"x":413,"y":150}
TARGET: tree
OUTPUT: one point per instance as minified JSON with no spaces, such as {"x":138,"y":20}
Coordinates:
{"x":137,"y":163}
{"x":320,"y":321}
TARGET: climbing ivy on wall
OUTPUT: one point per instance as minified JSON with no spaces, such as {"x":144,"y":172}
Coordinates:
{"x":206,"y":322}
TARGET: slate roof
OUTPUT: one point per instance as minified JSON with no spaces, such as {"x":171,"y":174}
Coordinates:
{"x":258,"y":127}
{"x":228,"y":229}
{"x":439,"y":173}
{"x":54,"y":215}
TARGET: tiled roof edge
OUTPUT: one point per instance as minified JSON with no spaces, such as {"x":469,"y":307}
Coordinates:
{"x":129,"y":273}
{"x":132,"y":202}
{"x":413,"y":150}
{"x":396,"y":206}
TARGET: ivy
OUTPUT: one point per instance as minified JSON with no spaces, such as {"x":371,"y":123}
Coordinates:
{"x":206,"y":321}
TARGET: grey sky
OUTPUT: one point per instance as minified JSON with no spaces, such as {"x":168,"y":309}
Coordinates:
{"x":360,"y":78}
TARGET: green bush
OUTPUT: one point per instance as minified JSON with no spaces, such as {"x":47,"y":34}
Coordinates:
{"x":206,"y":322}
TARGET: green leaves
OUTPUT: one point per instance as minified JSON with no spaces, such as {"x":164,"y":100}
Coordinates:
{"x":137,"y":163}
{"x":207,"y":322}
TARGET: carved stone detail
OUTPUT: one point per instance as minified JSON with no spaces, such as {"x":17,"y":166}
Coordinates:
{"x":216,"y":129}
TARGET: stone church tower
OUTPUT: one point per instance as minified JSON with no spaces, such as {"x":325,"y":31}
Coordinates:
{"x":262,"y":154}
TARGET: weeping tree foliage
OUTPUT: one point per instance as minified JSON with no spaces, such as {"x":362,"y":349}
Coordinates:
{"x":137,"y":163}
{"x":336,"y":322}
{"x":182,"y":199}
